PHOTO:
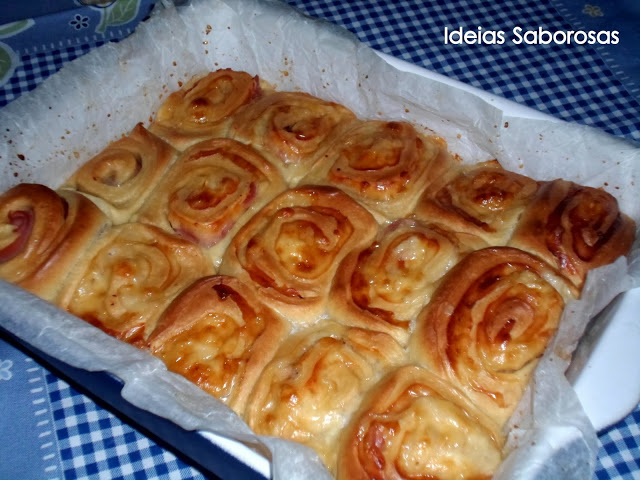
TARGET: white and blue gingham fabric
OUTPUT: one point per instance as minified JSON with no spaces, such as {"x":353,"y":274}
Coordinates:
{"x":68,"y":435}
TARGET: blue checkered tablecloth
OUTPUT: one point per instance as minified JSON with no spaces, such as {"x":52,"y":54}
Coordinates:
{"x":73,"y":437}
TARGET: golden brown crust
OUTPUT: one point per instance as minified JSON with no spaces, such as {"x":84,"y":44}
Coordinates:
{"x":414,"y":425}
{"x":286,"y":192}
{"x":291,"y":248}
{"x":384,"y":165}
{"x":127,"y":279}
{"x":483,"y":200}
{"x":488,"y":324}
{"x":315,"y":381}
{"x":218,"y":335}
{"x":291,"y":129}
{"x":203,"y":107}
{"x":384,"y":286}
{"x":120,"y":178}
{"x":43,"y":234}
{"x":575,"y":228}
{"x":213,"y":188}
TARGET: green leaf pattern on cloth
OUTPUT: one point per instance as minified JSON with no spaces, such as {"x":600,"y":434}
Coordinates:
{"x":119,"y":13}
{"x":10,"y":29}
{"x":8,"y":58}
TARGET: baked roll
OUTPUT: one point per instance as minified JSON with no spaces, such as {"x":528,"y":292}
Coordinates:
{"x":315,"y":382}
{"x":575,"y":228}
{"x":414,"y":425}
{"x":128,"y":278}
{"x":218,"y":335}
{"x":383,"y":165}
{"x":43,"y":234}
{"x":483,"y":199}
{"x":291,"y":248}
{"x":489,"y":322}
{"x":120,"y":178}
{"x":211,"y":190}
{"x":202,"y":108}
{"x":291,"y":128}
{"x":385,"y":285}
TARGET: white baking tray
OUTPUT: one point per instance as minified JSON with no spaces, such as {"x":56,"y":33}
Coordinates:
{"x":607,"y":389}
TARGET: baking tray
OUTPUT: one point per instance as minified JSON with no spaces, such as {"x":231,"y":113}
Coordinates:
{"x":607,"y":392}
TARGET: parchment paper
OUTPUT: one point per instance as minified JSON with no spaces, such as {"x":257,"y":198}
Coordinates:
{"x":49,"y":132}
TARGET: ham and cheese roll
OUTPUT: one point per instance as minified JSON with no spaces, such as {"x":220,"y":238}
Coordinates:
{"x":291,"y":248}
{"x":489,"y":322}
{"x":43,"y":234}
{"x":414,"y":425}
{"x":202,"y":108}
{"x":575,"y":228}
{"x":384,"y":165}
{"x":291,"y":128}
{"x":385,"y":285}
{"x":120,"y":178}
{"x":315,"y":382}
{"x":218,"y":335}
{"x":483,"y":199}
{"x":128,"y":278}
{"x":211,"y":190}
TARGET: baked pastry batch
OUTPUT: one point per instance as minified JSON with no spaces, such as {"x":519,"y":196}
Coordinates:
{"x":340,"y":282}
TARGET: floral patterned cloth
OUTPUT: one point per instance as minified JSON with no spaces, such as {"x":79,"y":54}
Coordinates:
{"x":58,"y":24}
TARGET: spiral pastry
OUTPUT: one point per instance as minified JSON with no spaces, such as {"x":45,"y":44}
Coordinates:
{"x":218,"y":335}
{"x":120,"y":178}
{"x":414,"y":425}
{"x":489,"y":322}
{"x":315,"y":382}
{"x":42,"y":235}
{"x":129,"y":277}
{"x":291,"y":128}
{"x":212,"y":189}
{"x":202,"y":108}
{"x":384,"y":286}
{"x":291,"y":248}
{"x":575,"y":228}
{"x":484,"y":200}
{"x":384,"y":165}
